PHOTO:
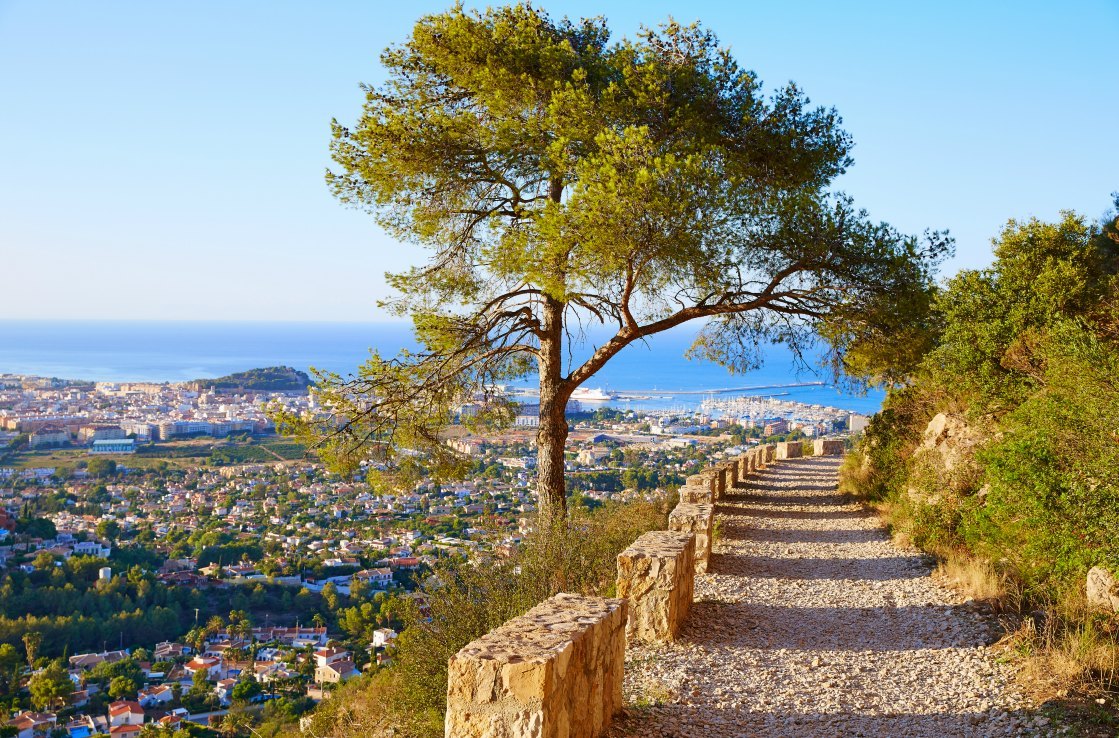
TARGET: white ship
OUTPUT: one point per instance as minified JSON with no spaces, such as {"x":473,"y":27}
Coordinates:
{"x":584,"y":394}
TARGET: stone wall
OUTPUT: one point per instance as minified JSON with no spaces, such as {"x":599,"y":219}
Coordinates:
{"x":656,"y":574}
{"x":697,"y":519}
{"x":554,"y":672}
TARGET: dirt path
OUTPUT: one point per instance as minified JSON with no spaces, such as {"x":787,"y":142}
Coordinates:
{"x":812,"y":623}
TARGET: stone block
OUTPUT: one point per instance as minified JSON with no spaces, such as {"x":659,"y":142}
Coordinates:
{"x":694,"y":494}
{"x":697,"y":519}
{"x":825,"y":447}
{"x":703,"y":479}
{"x":730,"y":468}
{"x":770,"y":452}
{"x":656,"y":574}
{"x":720,"y":481}
{"x":554,"y":672}
{"x":790,"y":450}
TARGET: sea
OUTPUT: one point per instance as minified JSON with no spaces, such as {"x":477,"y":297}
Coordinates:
{"x":170,"y":351}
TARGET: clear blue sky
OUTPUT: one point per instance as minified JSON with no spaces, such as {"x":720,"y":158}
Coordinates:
{"x":165,"y":159}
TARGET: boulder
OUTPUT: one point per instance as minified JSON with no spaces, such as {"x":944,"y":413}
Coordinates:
{"x":1103,"y":589}
{"x":950,"y":437}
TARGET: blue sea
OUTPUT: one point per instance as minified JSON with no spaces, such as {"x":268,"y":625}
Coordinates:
{"x":161,"y":351}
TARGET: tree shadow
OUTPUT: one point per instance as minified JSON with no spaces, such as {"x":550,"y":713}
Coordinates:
{"x":799,"y":535}
{"x":884,"y":569}
{"x":703,"y":721}
{"x":883,"y":628}
{"x":770,"y":512}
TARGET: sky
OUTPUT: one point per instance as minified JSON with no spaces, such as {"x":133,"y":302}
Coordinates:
{"x":165,"y":160}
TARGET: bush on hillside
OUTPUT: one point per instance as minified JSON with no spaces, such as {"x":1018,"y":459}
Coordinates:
{"x":467,"y":600}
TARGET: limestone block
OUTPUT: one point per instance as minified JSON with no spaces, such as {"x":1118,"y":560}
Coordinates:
{"x":790,"y":450}
{"x":693,"y":494}
{"x":825,"y":447}
{"x":759,"y":458}
{"x":554,"y":672}
{"x":1103,"y":589}
{"x":730,"y":471}
{"x":720,"y":481}
{"x":770,"y":452}
{"x":697,"y":519}
{"x":743,"y":466}
{"x":656,"y":574}
{"x":703,"y":479}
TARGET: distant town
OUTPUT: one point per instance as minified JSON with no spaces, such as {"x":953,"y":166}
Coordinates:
{"x":168,"y":562}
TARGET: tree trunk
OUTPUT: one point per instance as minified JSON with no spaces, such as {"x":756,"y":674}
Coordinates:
{"x":551,"y":489}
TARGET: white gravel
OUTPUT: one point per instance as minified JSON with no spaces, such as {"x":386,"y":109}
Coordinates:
{"x":812,"y":623}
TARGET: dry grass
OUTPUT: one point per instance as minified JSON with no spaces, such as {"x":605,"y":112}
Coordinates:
{"x":974,"y":577}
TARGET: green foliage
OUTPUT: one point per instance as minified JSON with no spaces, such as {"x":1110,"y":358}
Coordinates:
{"x":267,"y":379}
{"x":100,"y":467}
{"x":561,"y":179}
{"x":1028,"y":354}
{"x":122,"y":688}
{"x":36,"y":528}
{"x":50,"y":687}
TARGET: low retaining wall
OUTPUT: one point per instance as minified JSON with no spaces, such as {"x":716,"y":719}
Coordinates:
{"x":699,"y":520}
{"x":554,"y":672}
{"x":656,"y":574}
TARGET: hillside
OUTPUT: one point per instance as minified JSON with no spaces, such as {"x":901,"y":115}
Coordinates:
{"x":269,"y":379}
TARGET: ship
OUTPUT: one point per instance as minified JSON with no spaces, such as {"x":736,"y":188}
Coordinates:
{"x":585,"y":394}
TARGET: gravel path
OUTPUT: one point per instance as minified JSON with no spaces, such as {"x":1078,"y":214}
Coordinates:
{"x":812,"y":623}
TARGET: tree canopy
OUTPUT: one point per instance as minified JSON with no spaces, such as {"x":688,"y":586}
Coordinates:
{"x":562,"y":182}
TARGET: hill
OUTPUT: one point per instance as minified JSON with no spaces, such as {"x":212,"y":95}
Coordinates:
{"x":269,"y":379}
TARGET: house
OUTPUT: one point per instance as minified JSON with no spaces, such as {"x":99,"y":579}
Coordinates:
{"x":379,"y":578}
{"x":33,"y":724}
{"x":383,"y":637}
{"x":155,"y":696}
{"x":207,"y":664}
{"x":93,"y":548}
{"x":335,"y":672}
{"x":125,"y":731}
{"x":125,"y":712}
{"x":224,"y":690}
{"x":168,"y":651}
{"x":333,"y":665}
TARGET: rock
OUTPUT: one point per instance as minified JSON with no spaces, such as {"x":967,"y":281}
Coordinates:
{"x":951,"y":438}
{"x":1103,"y":589}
